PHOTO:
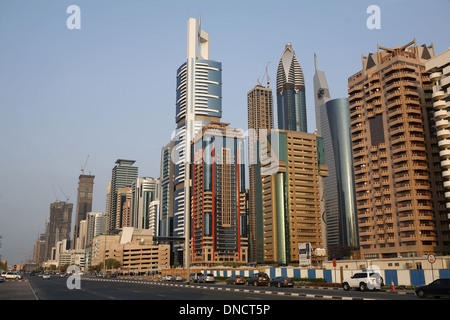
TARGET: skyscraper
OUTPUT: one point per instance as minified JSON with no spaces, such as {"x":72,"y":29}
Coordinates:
{"x":59,"y":225}
{"x":124,"y":207}
{"x":166,"y":191}
{"x":145,"y":190}
{"x":198,"y":102}
{"x":84,"y":201}
{"x":260,"y":117}
{"x":399,"y":190}
{"x":291,"y":98}
{"x":96,"y":223}
{"x":439,"y":67}
{"x":218,"y":214}
{"x":292,"y":196}
{"x":123,"y":175}
{"x":333,"y":124}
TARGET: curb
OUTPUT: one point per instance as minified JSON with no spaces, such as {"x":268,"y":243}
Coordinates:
{"x":224,"y":288}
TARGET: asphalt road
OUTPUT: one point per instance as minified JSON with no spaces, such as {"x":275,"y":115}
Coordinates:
{"x":176,"y":299}
{"x":116,"y":289}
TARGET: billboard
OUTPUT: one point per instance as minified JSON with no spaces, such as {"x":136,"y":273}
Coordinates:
{"x":304,"y":254}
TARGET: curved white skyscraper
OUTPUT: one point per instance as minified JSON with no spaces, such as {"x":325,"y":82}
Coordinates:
{"x":198,"y":102}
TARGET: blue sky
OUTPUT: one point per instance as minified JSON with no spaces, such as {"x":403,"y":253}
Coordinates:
{"x":108,"y":89}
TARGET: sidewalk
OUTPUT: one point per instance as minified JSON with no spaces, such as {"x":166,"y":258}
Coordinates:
{"x":16,"y":290}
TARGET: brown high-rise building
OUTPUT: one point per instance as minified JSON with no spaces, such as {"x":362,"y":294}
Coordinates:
{"x":398,"y":177}
{"x":218,"y":213}
{"x":124,"y":206}
{"x":39,"y":250}
{"x":59,"y":225}
{"x":84,"y":202}
{"x":260,"y":116}
{"x":292,"y":195}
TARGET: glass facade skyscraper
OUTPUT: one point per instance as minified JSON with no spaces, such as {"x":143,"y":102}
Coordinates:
{"x":124,"y":174}
{"x":198,"y":102}
{"x":218,"y":211}
{"x":333,"y":124}
{"x":291,"y":98}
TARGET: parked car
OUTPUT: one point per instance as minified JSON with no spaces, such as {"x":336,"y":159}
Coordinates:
{"x":281,"y":282}
{"x":13,"y":275}
{"x":167,"y":277}
{"x":236,"y":279}
{"x":194,"y":276}
{"x":258,"y":279}
{"x":177,"y":277}
{"x":209,"y":277}
{"x":437,"y":288}
{"x":365,"y":280}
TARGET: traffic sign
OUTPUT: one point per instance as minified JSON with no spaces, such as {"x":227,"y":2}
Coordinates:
{"x":431,"y":258}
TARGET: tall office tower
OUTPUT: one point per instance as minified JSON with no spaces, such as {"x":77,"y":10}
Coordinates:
{"x":218,"y":215}
{"x":39,"y":250}
{"x":333,"y":124}
{"x":292,"y":195}
{"x":123,"y":175}
{"x":439,"y":66}
{"x":291,"y":99}
{"x":80,"y":241}
{"x":84,"y":201}
{"x":166,"y":191}
{"x":153,"y":217}
{"x":144,"y":190}
{"x":124,"y":206}
{"x":198,"y":102}
{"x":96,"y":225}
{"x":260,"y":117}
{"x":108,"y":204}
{"x":398,"y":176}
{"x":59,"y":224}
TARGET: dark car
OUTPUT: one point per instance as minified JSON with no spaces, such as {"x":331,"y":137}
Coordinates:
{"x":437,"y":288}
{"x":258,"y":279}
{"x":236,"y":279}
{"x":281,"y":282}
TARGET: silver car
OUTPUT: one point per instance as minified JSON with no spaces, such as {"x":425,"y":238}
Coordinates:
{"x":209,"y":277}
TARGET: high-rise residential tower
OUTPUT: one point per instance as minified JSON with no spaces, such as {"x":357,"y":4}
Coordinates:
{"x":145,"y":190}
{"x":291,"y":99}
{"x":399,"y":189}
{"x":439,"y":67}
{"x":166,"y":191}
{"x":96,"y":225}
{"x":84,"y":201}
{"x":260,"y":117}
{"x":59,"y":225}
{"x":198,"y":102}
{"x":218,"y":213}
{"x":124,"y":174}
{"x":333,"y":124}
{"x":292,"y":195}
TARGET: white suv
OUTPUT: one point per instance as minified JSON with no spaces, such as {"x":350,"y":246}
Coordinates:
{"x":13,"y":275}
{"x":363,"y":280}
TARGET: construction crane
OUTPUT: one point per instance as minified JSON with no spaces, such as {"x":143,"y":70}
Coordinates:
{"x":56,"y":197}
{"x":67,"y":198}
{"x":85,"y":163}
{"x":265,"y":75}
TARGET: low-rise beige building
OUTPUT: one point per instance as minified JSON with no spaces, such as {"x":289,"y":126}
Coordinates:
{"x":133,"y":248}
